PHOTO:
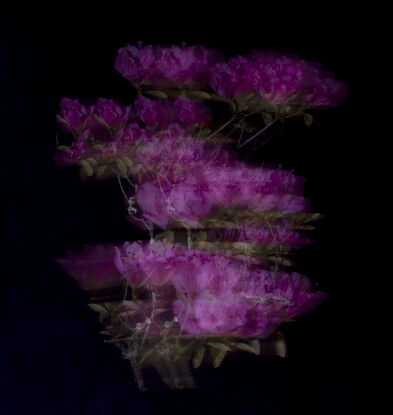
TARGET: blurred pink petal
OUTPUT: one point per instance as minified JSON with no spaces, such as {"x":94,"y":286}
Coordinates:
{"x":94,"y":267}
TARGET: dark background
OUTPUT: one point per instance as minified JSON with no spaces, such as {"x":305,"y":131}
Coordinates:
{"x":53,"y":359}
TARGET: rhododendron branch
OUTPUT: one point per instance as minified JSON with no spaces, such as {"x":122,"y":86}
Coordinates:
{"x":208,"y":290}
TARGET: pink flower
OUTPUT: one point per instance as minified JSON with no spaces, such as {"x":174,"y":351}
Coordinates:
{"x":152,"y":113}
{"x":184,"y":312}
{"x":93,"y":267}
{"x":278,"y":79}
{"x":262,"y":321}
{"x":190,"y":202}
{"x":154,"y":203}
{"x":296,"y":290}
{"x":73,"y":116}
{"x":136,"y":64}
{"x":232,"y":78}
{"x":192,"y":188}
{"x":110,"y":113}
{"x":77,"y":149}
{"x":329,"y":92}
{"x":166,"y":66}
{"x":220,"y":316}
{"x":217,"y":294}
{"x":192,"y":113}
{"x":147,"y":263}
{"x":178,"y":156}
{"x":202,"y":273}
{"x":129,"y":134}
{"x":294,"y":204}
{"x":251,"y":311}
{"x":238,"y":185}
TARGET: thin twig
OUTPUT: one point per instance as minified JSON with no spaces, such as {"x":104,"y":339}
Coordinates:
{"x":257,"y":134}
{"x":189,"y":238}
{"x":148,"y":227}
{"x":262,"y":144}
{"x":221,"y":128}
{"x":134,"y":185}
{"x":125,"y":292}
{"x":121,"y":188}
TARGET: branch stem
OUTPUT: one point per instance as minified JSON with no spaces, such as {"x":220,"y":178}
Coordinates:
{"x":257,"y":134}
{"x":221,"y":128}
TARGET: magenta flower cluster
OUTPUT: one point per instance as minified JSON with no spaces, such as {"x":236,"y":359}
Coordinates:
{"x":230,"y":185}
{"x":171,"y":66}
{"x":216,"y":294}
{"x":125,"y":125}
{"x":159,"y":115}
{"x":182,"y":176}
{"x":278,"y":79}
{"x":173,"y":154}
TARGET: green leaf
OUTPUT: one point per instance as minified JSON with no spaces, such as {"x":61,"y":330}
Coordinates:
{"x":128,"y":162}
{"x":158,"y":94}
{"x":63,"y":121}
{"x":160,"y":311}
{"x":102,"y":121}
{"x":121,"y":167}
{"x":92,"y":161}
{"x":220,"y":346}
{"x":312,"y":217}
{"x":267,"y":117}
{"x":86,"y":167}
{"x":256,"y":345}
{"x":200,"y":94}
{"x":100,"y":147}
{"x":218,"y":357}
{"x":147,"y":354}
{"x":246,"y":347}
{"x":201,"y":236}
{"x":63,"y":148}
{"x":130,"y":304}
{"x":308,"y":119}
{"x":128,"y":313}
{"x":169,"y":236}
{"x":98,"y":309}
{"x":101,"y":169}
{"x":280,"y":260}
{"x":198,"y":357}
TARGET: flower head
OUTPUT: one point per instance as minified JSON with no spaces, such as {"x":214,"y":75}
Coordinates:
{"x":146,"y":263}
{"x":160,"y":66}
{"x":192,"y":113}
{"x":73,"y":116}
{"x":279,"y":79}
{"x":152,"y":113}
{"x":110,"y":113}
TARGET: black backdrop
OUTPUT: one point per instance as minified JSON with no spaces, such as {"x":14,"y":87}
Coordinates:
{"x":53,"y":359}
